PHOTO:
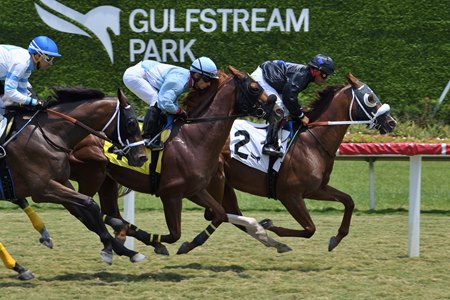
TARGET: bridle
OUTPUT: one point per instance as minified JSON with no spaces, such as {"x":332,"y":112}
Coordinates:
{"x":246,"y":101}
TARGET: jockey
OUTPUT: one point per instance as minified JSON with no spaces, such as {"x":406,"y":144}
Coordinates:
{"x":286,"y":80}
{"x":16,"y":65}
{"x":159,"y":85}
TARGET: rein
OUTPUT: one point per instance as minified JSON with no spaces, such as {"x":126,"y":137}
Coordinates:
{"x":214,"y":118}
{"x":81,"y":124}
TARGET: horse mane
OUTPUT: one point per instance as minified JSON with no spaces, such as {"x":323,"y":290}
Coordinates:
{"x":322,"y":101}
{"x":71,"y":94}
{"x":196,"y":101}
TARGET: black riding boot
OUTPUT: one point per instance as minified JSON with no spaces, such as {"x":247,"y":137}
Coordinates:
{"x":271,"y":143}
{"x":151,"y":127}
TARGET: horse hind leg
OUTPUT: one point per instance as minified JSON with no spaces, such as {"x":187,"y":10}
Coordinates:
{"x":36,"y":221}
{"x":247,"y":224}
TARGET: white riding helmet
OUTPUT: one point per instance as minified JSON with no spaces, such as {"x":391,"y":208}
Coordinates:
{"x":204,"y":66}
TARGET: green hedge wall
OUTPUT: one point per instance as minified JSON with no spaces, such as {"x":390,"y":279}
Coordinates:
{"x":400,"y":48}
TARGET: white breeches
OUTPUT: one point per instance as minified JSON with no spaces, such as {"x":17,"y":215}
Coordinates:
{"x":258,"y":76}
{"x":134,"y":80}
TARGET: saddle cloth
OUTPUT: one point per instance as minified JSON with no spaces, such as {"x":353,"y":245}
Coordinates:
{"x":145,"y":168}
{"x":246,"y":142}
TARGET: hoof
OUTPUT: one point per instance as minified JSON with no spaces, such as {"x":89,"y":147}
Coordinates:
{"x":283,"y":248}
{"x":266,"y":223}
{"x":161,"y":250}
{"x":138,"y":257}
{"x":107,"y":256}
{"x":46,"y":241}
{"x":26,"y":275}
{"x":332,"y":243}
{"x":184,"y":248}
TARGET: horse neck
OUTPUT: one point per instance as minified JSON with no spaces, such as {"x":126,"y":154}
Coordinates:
{"x":213,"y":135}
{"x":331,"y":136}
{"x":92,"y":113}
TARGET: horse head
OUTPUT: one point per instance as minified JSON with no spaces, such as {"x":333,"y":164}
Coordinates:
{"x":127,"y":132}
{"x":369,"y":107}
{"x":251,"y":97}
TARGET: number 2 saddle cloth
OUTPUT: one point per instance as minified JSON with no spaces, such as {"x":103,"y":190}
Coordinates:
{"x":246,"y":142}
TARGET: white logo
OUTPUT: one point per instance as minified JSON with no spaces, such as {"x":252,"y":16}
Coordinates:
{"x":97,"y":21}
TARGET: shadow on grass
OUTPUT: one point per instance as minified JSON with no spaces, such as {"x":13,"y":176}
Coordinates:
{"x":108,"y":277}
{"x":18,"y":283}
{"x":240,"y":269}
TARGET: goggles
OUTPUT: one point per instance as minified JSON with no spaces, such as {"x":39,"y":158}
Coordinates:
{"x":206,"y":79}
{"x":324,"y":75}
{"x":47,"y":59}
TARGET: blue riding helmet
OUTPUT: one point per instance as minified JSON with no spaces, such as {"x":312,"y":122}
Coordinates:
{"x":324,"y":63}
{"x":43,"y":45}
{"x":204,"y":66}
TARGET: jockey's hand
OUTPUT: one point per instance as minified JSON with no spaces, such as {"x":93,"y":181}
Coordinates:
{"x":182,"y":115}
{"x":304,"y":120}
{"x":39,"y":104}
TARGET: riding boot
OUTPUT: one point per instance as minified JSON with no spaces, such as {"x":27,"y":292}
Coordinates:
{"x":271,"y":147}
{"x":151,"y":126}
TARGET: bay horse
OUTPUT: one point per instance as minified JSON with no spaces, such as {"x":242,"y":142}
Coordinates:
{"x":307,"y":165}
{"x":37,"y":154}
{"x":189,"y":161}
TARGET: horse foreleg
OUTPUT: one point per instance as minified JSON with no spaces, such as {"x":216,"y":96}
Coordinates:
{"x":203,"y":198}
{"x":37,"y":222}
{"x":329,"y":193}
{"x":12,"y":264}
{"x":88,"y":212}
{"x":108,"y":195}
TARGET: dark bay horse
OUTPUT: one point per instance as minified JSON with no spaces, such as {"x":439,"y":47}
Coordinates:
{"x":307,"y":165}
{"x":37,"y":156}
{"x":190,"y":158}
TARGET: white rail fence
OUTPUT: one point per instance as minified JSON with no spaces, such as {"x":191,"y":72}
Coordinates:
{"x":414,"y":152}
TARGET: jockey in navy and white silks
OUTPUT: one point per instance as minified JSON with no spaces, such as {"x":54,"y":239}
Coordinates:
{"x":16,"y":65}
{"x":286,"y":80}
{"x":159,"y":85}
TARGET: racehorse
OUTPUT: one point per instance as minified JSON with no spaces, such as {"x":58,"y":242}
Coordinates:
{"x":37,"y":153}
{"x":307,"y":165}
{"x":189,"y":160}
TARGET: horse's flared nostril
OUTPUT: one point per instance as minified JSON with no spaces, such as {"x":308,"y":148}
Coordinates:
{"x":143,"y":158}
{"x":392,"y":123}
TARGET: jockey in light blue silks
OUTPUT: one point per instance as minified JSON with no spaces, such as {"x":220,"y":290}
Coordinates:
{"x":159,"y":85}
{"x":16,"y":65}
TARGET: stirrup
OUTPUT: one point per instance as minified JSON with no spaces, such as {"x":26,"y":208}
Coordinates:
{"x":271,"y":151}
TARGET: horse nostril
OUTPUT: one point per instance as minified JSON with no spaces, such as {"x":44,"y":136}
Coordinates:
{"x":143,"y":158}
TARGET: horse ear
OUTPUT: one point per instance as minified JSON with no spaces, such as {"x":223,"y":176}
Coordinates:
{"x":351,"y":79}
{"x":234,"y":71}
{"x":121,"y":96}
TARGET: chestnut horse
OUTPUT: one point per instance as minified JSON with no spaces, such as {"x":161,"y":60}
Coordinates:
{"x":189,"y":161}
{"x":308,"y":163}
{"x":37,"y":154}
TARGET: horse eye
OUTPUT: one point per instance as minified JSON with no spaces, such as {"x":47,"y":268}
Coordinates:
{"x":132,"y":124}
{"x":254,"y":86}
